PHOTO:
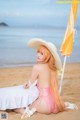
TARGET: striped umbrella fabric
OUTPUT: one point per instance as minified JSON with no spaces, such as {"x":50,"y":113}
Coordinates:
{"x":66,"y":47}
{"x":67,"y":44}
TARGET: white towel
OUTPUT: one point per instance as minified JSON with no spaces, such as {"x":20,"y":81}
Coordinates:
{"x":17,"y":97}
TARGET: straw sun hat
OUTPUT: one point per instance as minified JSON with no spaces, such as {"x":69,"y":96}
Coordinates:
{"x":36,"y":42}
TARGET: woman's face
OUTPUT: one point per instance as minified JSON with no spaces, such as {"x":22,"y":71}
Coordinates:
{"x":39,"y":57}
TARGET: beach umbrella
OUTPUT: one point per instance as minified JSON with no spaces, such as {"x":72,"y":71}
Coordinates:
{"x":66,"y":47}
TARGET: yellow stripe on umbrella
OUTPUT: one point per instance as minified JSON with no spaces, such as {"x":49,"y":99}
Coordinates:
{"x":66,"y":47}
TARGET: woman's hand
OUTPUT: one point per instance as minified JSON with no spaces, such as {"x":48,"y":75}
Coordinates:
{"x":26,"y":85}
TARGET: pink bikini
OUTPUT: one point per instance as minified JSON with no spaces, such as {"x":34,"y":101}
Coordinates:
{"x":46,"y":94}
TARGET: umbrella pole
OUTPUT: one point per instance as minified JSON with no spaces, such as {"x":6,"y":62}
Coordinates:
{"x":62,"y":74}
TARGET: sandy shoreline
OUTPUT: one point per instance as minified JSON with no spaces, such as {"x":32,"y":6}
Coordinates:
{"x":70,"y":90}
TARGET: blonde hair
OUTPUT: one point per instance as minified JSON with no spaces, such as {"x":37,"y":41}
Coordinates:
{"x":47,"y":57}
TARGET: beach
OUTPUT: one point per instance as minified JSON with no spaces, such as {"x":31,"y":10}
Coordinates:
{"x":70,"y":90}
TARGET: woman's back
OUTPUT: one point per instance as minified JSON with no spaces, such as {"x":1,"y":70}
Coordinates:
{"x":46,"y":97}
{"x":45,"y":75}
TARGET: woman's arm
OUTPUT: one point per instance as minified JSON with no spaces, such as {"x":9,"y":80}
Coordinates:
{"x":33,"y":77}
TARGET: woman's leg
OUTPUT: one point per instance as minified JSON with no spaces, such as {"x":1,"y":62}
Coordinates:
{"x":19,"y":110}
{"x":40,"y":106}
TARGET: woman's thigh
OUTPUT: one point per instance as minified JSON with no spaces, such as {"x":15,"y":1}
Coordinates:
{"x":41,"y":106}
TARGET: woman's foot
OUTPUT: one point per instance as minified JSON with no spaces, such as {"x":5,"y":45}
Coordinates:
{"x":70,"y":106}
{"x":25,"y":113}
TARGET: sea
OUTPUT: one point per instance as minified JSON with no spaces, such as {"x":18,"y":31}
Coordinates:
{"x":14,"y":51}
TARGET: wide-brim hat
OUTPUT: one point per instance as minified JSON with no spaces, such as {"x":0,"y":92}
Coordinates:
{"x":36,"y":42}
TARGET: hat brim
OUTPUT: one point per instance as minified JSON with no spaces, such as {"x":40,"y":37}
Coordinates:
{"x":36,"y":42}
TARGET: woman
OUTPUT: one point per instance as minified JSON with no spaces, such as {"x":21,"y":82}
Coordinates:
{"x":44,"y":74}
{"x":45,"y":71}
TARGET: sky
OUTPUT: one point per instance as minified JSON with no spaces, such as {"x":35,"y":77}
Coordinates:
{"x":35,"y":13}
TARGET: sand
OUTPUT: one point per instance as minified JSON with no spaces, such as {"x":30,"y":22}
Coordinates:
{"x":70,"y":90}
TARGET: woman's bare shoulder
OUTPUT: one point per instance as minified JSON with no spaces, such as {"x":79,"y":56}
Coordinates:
{"x":38,"y":66}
